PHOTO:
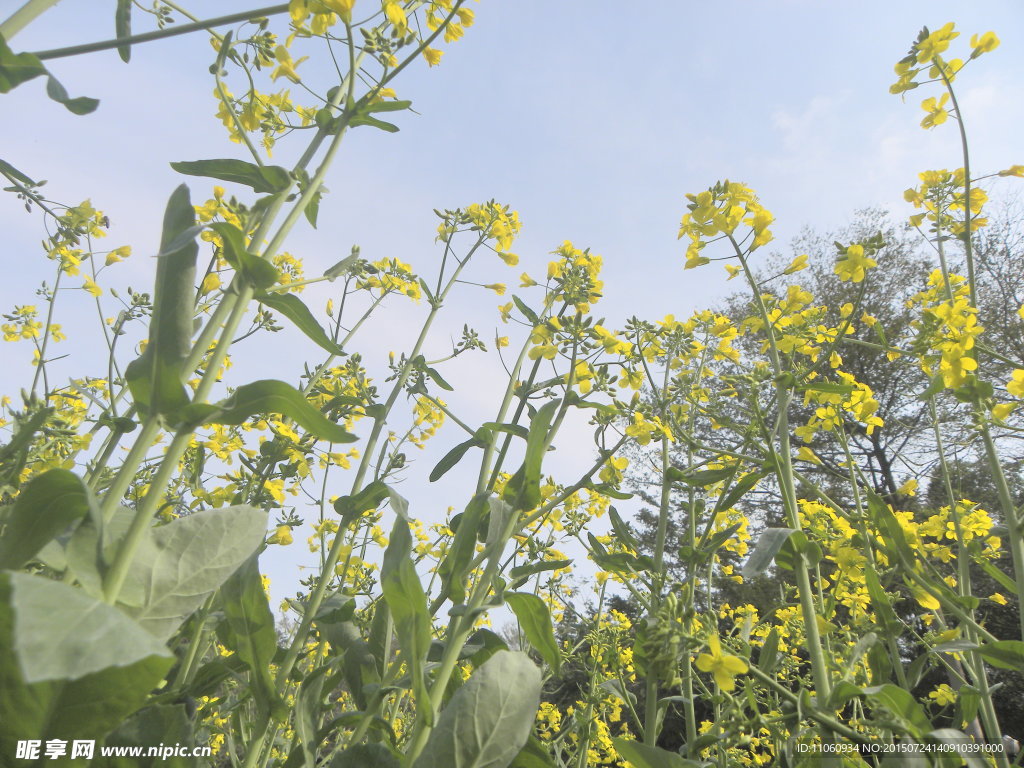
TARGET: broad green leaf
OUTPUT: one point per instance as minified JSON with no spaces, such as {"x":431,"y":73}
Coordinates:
{"x":93,"y":703}
{"x":373,"y":755}
{"x":250,"y":630}
{"x":454,"y":456}
{"x":268,"y":178}
{"x":522,"y":491}
{"x":1005,"y":654}
{"x":489,"y":719}
{"x":408,"y":605}
{"x":768,"y":545}
{"x":180,"y":564}
{"x":156,"y":724}
{"x":123,"y":28}
{"x":638,"y":755}
{"x":454,"y":567}
{"x":535,"y":619}
{"x":61,"y":633}
{"x":17,"y":68}
{"x":265,"y":397}
{"x":258,"y":272}
{"x":904,"y":709}
{"x":156,"y":378}
{"x":308,"y":710}
{"x":292,"y":307}
{"x":46,"y":507}
{"x":533,"y":755}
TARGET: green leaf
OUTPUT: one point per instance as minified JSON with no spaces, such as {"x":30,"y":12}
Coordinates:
{"x":387,"y":106}
{"x":60,"y":633}
{"x":524,"y":571}
{"x":454,"y":456}
{"x":769,"y":654}
{"x":639,"y":755}
{"x":45,"y":508}
{"x":14,"y":454}
{"x":489,"y":719}
{"x":880,"y":603}
{"x":829,"y":387}
{"x":738,"y":490}
{"x":123,"y":28}
{"x":156,"y":378}
{"x":292,"y":307}
{"x":966,"y":749}
{"x":153,"y":725}
{"x":373,"y":755}
{"x":373,"y":122}
{"x":533,"y":755}
{"x":535,"y":619}
{"x":523,"y":490}
{"x":455,"y":566}
{"x":700,"y":478}
{"x":73,"y":628}
{"x":408,"y":605}
{"x":265,"y":397}
{"x":768,"y":545}
{"x":351,"y":508}
{"x":1005,"y":654}
{"x":251,"y":632}
{"x":258,"y":272}
{"x":528,"y":313}
{"x":17,"y":68}
{"x":81,"y":105}
{"x":904,"y":709}
{"x":267,"y":178}
{"x":180,"y":564}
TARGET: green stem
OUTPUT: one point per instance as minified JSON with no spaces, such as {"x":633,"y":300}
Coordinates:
{"x":159,"y":34}
{"x":24,"y":16}
{"x":819,"y":668}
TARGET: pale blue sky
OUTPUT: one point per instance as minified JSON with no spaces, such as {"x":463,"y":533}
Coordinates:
{"x":593,"y":119}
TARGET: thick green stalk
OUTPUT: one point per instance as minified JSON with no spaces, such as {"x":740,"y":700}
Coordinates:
{"x":651,"y":702}
{"x":24,"y":16}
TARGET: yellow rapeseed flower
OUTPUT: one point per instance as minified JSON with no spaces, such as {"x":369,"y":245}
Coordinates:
{"x":724,"y":666}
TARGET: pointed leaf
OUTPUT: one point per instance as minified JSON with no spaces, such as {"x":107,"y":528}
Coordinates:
{"x":265,"y":397}
{"x":156,"y":378}
{"x":292,"y":307}
{"x":251,"y":631}
{"x":407,"y":602}
{"x":268,"y":178}
{"x":535,"y":619}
